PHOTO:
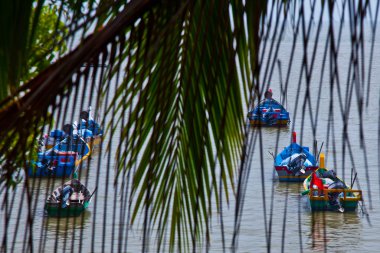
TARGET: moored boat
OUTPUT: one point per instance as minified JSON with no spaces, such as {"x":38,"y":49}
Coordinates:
{"x":295,"y":162}
{"x":88,"y":129}
{"x":69,"y":199}
{"x":62,"y":159}
{"x":269,"y":112}
{"x":326,"y":191}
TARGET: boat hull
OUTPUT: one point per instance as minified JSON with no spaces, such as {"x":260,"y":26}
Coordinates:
{"x":60,"y":164}
{"x":285,"y":175}
{"x":261,"y":123}
{"x":55,"y":209}
{"x":320,"y":201}
{"x":60,"y":171}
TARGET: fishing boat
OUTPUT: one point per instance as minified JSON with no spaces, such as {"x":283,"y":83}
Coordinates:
{"x":326,"y":191}
{"x":88,"y":129}
{"x":69,"y":199}
{"x":295,"y":162}
{"x":269,"y":112}
{"x":62,"y":159}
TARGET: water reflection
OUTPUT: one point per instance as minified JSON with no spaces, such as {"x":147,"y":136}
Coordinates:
{"x":271,"y":131}
{"x":288,"y":188}
{"x":67,"y":233}
{"x":332,"y":230}
{"x":64,"y":224}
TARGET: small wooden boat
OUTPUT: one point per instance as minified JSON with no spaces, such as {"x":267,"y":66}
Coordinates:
{"x":70,"y":199}
{"x":326,"y":191}
{"x":269,"y":112}
{"x":294,"y":163}
{"x":62,"y":159}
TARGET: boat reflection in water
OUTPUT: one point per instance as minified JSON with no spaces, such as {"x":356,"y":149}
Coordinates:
{"x":333,"y":231}
{"x":67,"y":233}
{"x":287,"y":188}
{"x":66,"y":225}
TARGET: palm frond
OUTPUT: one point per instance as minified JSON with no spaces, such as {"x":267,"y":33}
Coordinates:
{"x":172,"y":86}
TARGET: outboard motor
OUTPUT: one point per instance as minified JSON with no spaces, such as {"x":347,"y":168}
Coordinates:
{"x":296,"y":164}
{"x":334,"y":196}
{"x":329,"y":174}
{"x":269,"y":117}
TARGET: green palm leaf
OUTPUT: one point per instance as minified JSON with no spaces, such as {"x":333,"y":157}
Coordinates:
{"x":177,"y":100}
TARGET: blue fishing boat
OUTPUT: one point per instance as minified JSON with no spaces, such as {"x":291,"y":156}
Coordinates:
{"x":269,"y":112}
{"x":62,"y":159}
{"x":295,"y":162}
